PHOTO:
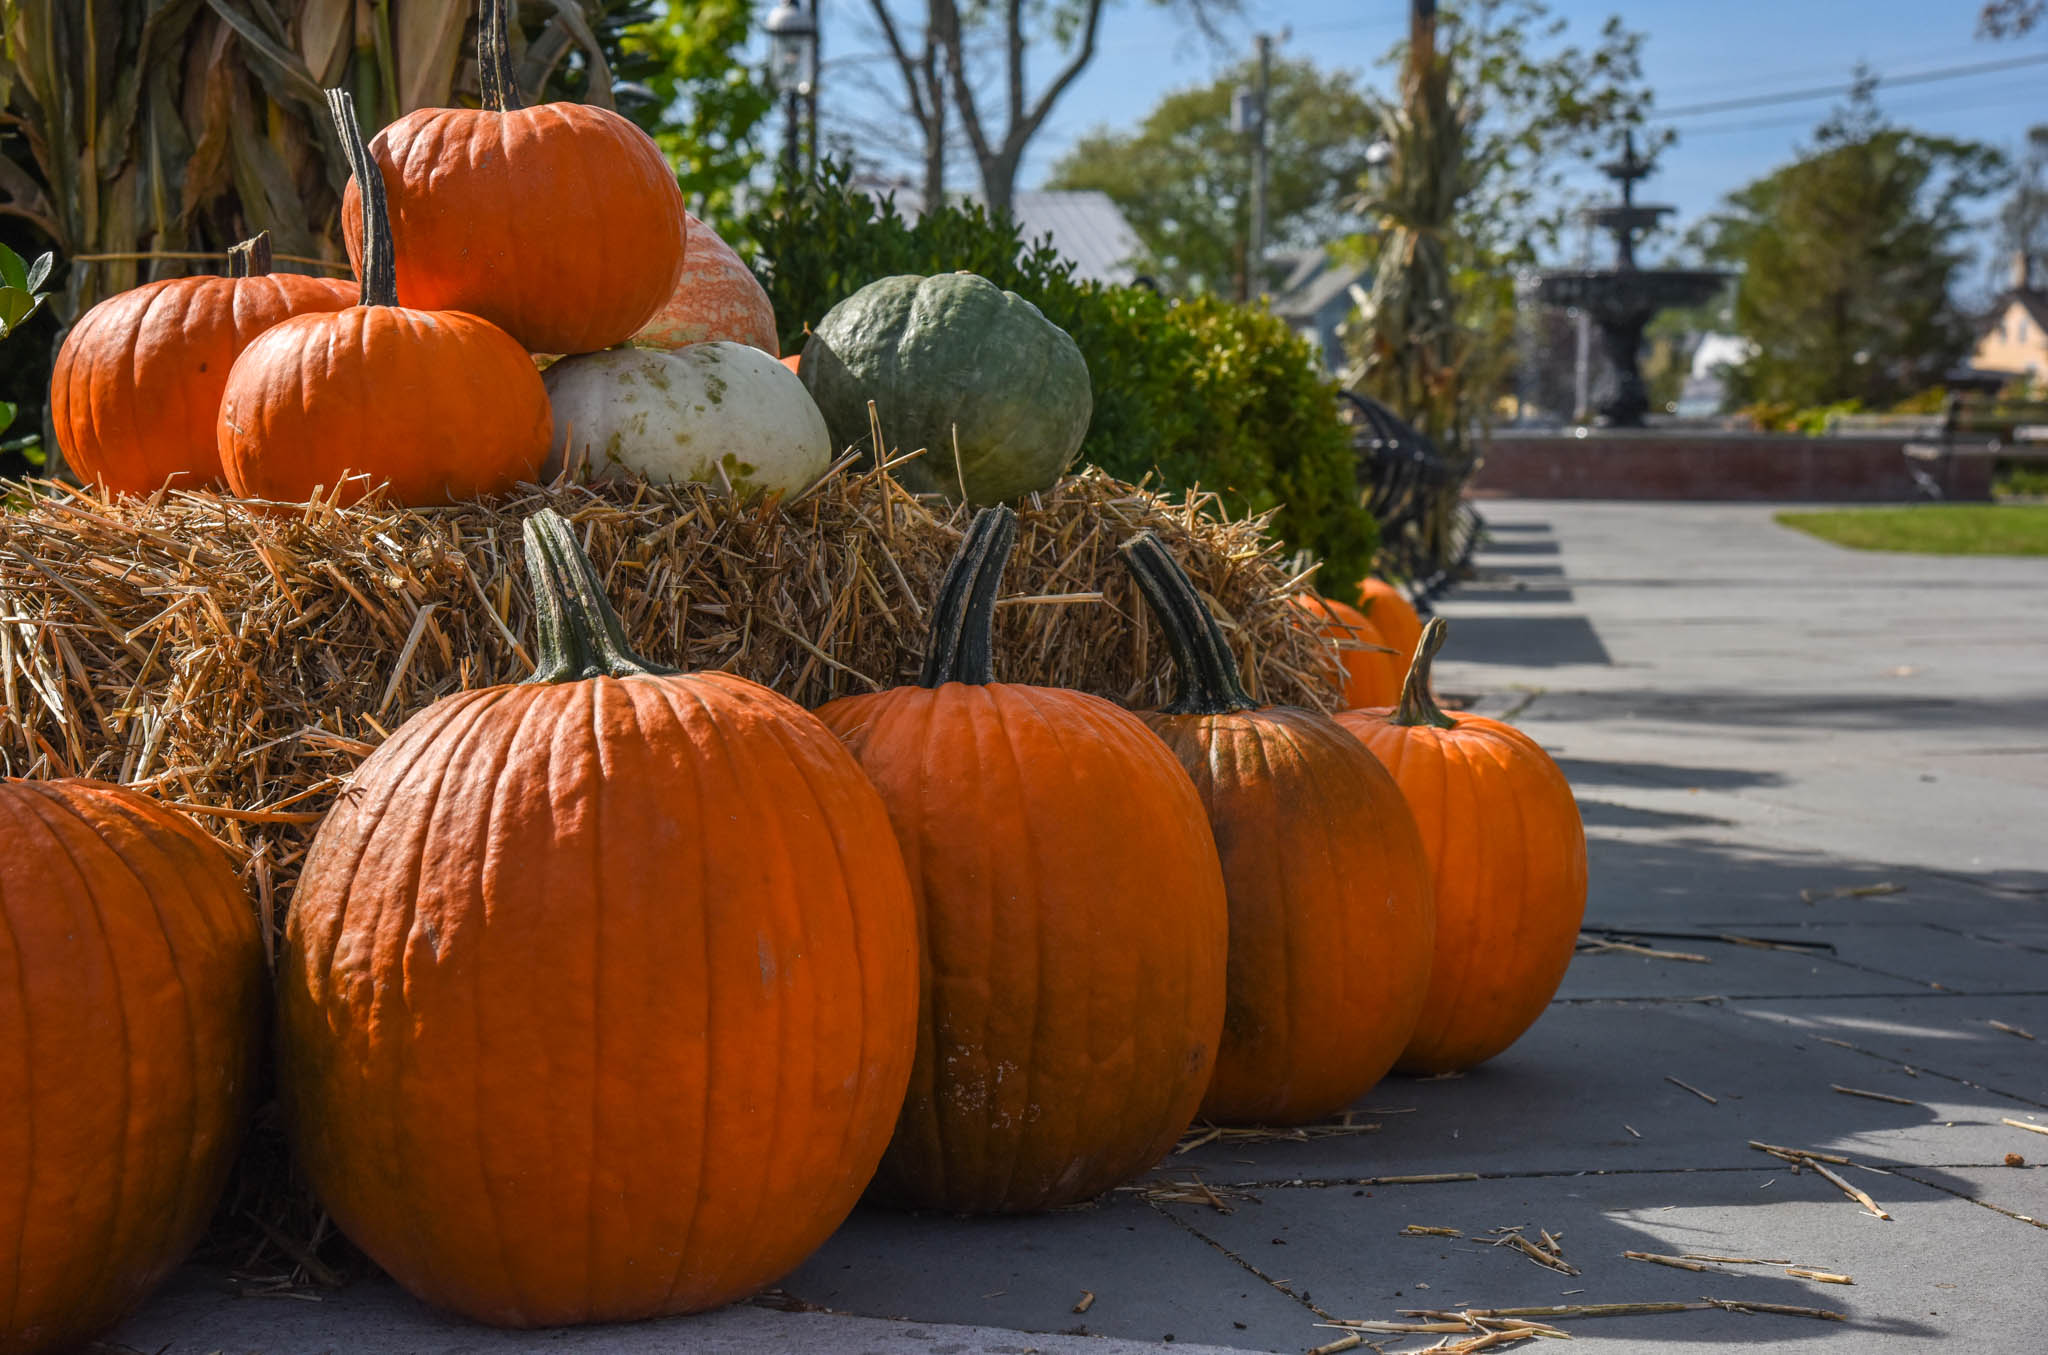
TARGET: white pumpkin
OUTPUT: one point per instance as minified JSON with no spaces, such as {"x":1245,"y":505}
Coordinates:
{"x":714,"y":413}
{"x":717,"y":298}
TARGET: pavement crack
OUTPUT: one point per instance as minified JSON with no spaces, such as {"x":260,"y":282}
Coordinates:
{"x":1300,"y":1297}
{"x":1981,"y":1203}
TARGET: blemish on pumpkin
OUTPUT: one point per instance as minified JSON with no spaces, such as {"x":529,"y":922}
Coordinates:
{"x":767,"y":962}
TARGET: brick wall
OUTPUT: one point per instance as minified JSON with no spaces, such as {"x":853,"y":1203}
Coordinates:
{"x":1761,"y":466}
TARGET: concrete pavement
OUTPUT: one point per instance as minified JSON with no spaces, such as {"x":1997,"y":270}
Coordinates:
{"x":1749,"y":716}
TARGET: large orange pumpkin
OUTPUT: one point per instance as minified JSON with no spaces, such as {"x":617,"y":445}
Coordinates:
{"x":1508,"y":855}
{"x":561,"y":224}
{"x":136,"y":389}
{"x":599,"y":992}
{"x":439,"y":404}
{"x":131,"y":985}
{"x":1372,"y":669}
{"x":1331,"y":921}
{"x":1393,"y":615}
{"x":1073,"y":913}
{"x":718,"y":298}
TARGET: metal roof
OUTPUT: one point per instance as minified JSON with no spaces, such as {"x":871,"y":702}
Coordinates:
{"x":1085,"y":225}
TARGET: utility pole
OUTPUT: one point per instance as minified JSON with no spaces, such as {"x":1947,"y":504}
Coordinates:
{"x":1255,"y":265}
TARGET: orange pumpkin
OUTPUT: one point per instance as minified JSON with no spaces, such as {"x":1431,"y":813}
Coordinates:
{"x":561,"y":224}
{"x":137,"y":385}
{"x":598,"y":994}
{"x":1372,"y":670}
{"x":131,"y":988}
{"x":1393,"y":616}
{"x":1073,"y":913}
{"x":1331,"y":920}
{"x":1508,"y":855}
{"x":718,"y":298}
{"x":439,"y":404}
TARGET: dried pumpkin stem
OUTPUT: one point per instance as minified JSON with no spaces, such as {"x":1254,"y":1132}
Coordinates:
{"x":963,"y":619}
{"x":251,"y":258}
{"x":580,"y":635}
{"x":1418,"y":707}
{"x":380,"y":260}
{"x":1206,"y":680}
{"x":494,"y":57}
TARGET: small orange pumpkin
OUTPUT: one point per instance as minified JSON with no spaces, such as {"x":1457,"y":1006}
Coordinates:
{"x":561,"y":224}
{"x":717,"y":298}
{"x":1393,"y":615}
{"x":1372,"y":670}
{"x":599,"y":991}
{"x":1331,"y":919}
{"x":136,"y":390}
{"x":1074,"y":922}
{"x":439,"y":404}
{"x":1508,"y":855}
{"x":131,"y":1001}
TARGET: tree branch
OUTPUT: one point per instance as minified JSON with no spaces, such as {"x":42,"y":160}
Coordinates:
{"x":905,"y":62}
{"x":946,"y":16}
{"x":1066,"y":77}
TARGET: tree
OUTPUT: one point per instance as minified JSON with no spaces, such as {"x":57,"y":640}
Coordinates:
{"x":972,"y":60}
{"x":1181,"y":178}
{"x":1494,"y":108}
{"x":2010,"y":18}
{"x":1848,"y":257}
{"x":705,"y":108}
{"x":2023,"y":220}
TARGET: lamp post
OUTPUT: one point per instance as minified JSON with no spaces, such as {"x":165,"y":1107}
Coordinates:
{"x":793,"y":69}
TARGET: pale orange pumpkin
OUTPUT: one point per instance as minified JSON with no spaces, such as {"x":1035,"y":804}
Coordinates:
{"x":718,"y":298}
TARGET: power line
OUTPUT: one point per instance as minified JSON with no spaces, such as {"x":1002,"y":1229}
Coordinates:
{"x":1832,"y":91}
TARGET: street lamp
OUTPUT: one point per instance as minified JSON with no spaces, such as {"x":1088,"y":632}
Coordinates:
{"x":793,"y":69}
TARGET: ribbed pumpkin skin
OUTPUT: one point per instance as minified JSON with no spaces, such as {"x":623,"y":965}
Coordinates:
{"x":1508,"y":855}
{"x":131,"y":985}
{"x":598,"y":999}
{"x":442,"y":405}
{"x":1331,"y":916}
{"x":561,"y":224}
{"x":1074,"y":941}
{"x":1370,"y":678}
{"x":953,"y":357}
{"x":1393,"y":615}
{"x":137,"y":385}
{"x":718,"y":298}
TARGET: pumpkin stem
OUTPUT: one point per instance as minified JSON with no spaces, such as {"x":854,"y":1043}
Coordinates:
{"x":251,"y":258}
{"x":964,"y":619}
{"x":1206,"y":680}
{"x":581,"y":636}
{"x":1418,"y":707}
{"x":494,"y":56}
{"x":380,"y":259}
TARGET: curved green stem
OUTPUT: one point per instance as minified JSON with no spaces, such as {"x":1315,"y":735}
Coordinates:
{"x":963,"y":619}
{"x":494,"y":56}
{"x":580,"y":635}
{"x":1418,"y":707}
{"x":380,"y":260}
{"x":1206,"y":680}
{"x":251,"y":258}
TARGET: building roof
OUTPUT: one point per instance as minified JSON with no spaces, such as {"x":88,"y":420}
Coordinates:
{"x":1313,"y":283}
{"x":1085,"y":225}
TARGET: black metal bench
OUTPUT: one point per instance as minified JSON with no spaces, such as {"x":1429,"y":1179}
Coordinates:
{"x":1428,"y":530}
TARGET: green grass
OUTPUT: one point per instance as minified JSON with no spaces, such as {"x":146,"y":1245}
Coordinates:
{"x":1933,"y":529}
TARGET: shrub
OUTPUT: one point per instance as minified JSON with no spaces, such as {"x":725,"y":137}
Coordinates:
{"x":1196,"y":392}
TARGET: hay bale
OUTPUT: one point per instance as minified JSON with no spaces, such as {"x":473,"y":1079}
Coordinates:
{"x":240,"y":662}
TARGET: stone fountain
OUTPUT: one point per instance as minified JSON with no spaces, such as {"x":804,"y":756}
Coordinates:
{"x":1622,"y":300}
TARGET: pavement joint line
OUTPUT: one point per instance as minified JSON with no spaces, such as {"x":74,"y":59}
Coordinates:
{"x":1561,"y":1174}
{"x":1189,"y":1228}
{"x":1896,"y":1062}
{"x":1988,"y":940}
{"x":1981,"y":1203}
{"x":1937,"y":994}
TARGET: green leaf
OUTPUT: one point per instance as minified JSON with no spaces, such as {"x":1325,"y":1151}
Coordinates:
{"x":6,"y":410}
{"x":13,"y":272}
{"x":39,"y":271}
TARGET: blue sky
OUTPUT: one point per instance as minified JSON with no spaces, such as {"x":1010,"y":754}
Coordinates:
{"x":1698,"y":51}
